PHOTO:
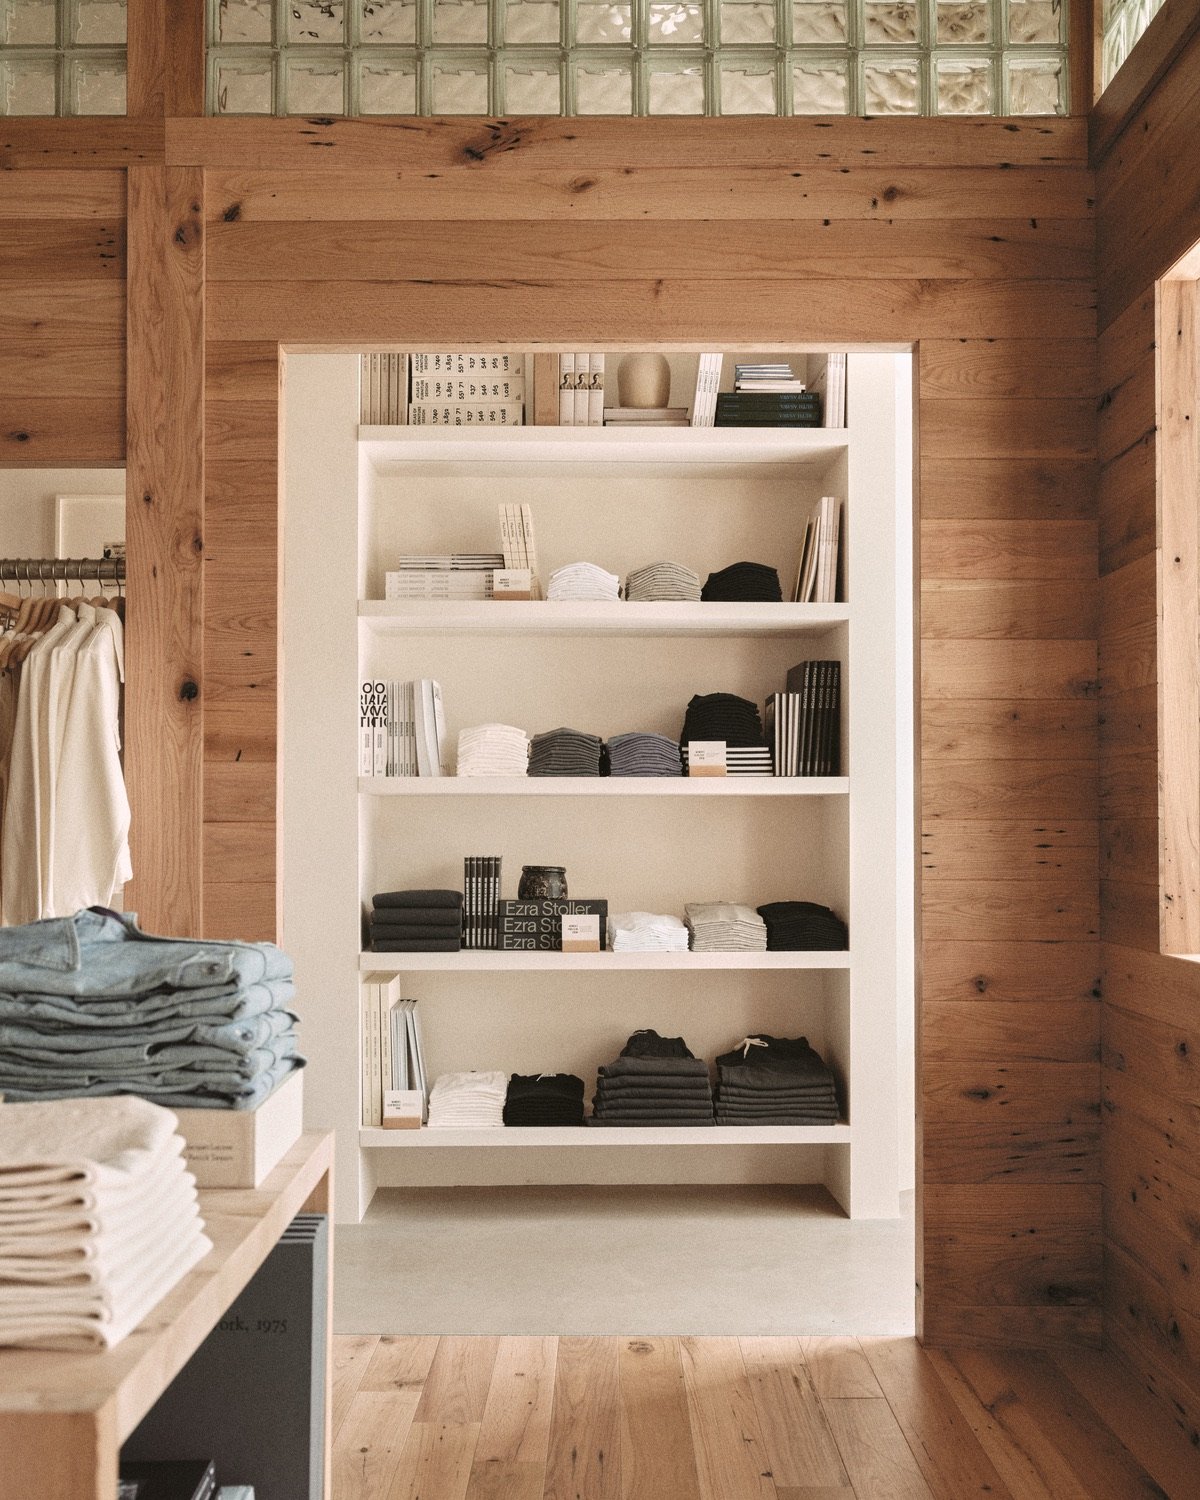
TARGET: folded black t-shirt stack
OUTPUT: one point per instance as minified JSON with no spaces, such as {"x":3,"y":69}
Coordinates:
{"x":416,"y":922}
{"x":544,"y":1099}
{"x":655,"y":1081}
{"x":793,"y":925}
{"x":565,"y":752}
{"x":769,"y":1080}
{"x":722,"y":716}
{"x":744,"y":583}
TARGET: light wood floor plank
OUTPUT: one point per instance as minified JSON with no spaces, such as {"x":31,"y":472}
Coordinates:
{"x":840,"y":1493}
{"x":657,"y":1454}
{"x":400,"y":1363}
{"x":351,"y":1355}
{"x":731,"y":1458}
{"x":877,"y":1458}
{"x":368,"y":1447}
{"x":799,"y":1445}
{"x":496,"y":1479}
{"x":435,"y":1463}
{"x":839,"y":1369}
{"x":456,"y":1387}
{"x":949,"y":1454}
{"x":584,"y":1460}
{"x":516,"y":1418}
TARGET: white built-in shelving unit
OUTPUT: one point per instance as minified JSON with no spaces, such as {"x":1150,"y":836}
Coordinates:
{"x":358,"y":497}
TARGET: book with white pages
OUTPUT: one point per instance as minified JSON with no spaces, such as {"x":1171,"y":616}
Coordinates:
{"x":416,"y":1055}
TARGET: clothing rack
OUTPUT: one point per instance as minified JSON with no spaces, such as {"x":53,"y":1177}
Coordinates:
{"x":62,"y":569}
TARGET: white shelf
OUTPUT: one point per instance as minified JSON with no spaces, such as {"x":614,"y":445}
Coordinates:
{"x":520,"y":1137}
{"x":476,"y":960}
{"x":600,"y":617}
{"x":604,"y":786}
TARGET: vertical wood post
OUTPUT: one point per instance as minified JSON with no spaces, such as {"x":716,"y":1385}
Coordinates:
{"x":166,"y":58}
{"x":165,"y":517}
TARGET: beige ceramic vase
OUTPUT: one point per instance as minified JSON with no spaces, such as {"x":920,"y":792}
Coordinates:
{"x":644,"y":381}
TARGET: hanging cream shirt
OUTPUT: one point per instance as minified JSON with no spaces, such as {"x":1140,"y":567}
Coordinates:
{"x":61,"y":679}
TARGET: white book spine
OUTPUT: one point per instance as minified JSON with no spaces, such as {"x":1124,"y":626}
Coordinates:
{"x":439,"y":723}
{"x":582,"y":401}
{"x":466,"y":414}
{"x":383,"y":1079}
{"x":471,"y":390}
{"x":566,"y":390}
{"x":468,"y":362}
{"x":596,"y":390}
{"x":372,"y":1099}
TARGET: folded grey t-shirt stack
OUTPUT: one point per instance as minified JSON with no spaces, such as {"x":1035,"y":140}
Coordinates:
{"x":565,"y":752}
{"x":416,"y":922}
{"x":767,"y":1080}
{"x":643,"y":755}
{"x":725,"y":927}
{"x":663,"y":581}
{"x":655,"y":1081}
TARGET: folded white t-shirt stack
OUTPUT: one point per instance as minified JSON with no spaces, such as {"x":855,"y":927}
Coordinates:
{"x":583,"y":580}
{"x":468,"y":1101}
{"x":646,"y":932}
{"x":98,"y":1219}
{"x":725,"y":927}
{"x":493,"y":750}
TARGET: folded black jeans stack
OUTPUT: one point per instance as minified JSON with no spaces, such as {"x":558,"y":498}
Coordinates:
{"x":656,"y":1081}
{"x":769,"y":1080}
{"x":722,"y":716}
{"x":544,"y":1099}
{"x":796,"y":925}
{"x":743,"y":583}
{"x":416,"y":922}
{"x":565,"y":752}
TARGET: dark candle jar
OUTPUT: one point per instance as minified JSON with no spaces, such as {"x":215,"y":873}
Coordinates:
{"x":543,"y":882}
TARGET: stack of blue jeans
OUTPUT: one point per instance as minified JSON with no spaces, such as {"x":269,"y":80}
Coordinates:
{"x":91,"y":1005}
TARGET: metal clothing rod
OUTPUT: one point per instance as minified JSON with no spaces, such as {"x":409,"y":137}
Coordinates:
{"x":63,"y":569}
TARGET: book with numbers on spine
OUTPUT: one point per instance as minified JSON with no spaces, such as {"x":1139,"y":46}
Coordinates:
{"x":465,"y":362}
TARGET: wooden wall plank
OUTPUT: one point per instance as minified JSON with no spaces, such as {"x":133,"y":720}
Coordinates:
{"x":1026,"y":849}
{"x":1009,"y":609}
{"x":1008,"y":669}
{"x":1007,"y":489}
{"x":165,"y":479}
{"x":1021,"y":972}
{"x":1008,"y":789}
{"x":1017,"y":368}
{"x":979,"y":729}
{"x":963,"y":548}
{"x":29,"y":143}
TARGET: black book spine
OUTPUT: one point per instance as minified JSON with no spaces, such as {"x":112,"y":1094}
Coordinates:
{"x":804,"y":767}
{"x":823,"y":740}
{"x":835,"y":721}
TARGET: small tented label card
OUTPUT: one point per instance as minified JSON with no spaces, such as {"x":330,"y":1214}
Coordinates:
{"x":512,"y":583}
{"x":706,"y":758}
{"x":402,"y":1109}
{"x":581,"y":933}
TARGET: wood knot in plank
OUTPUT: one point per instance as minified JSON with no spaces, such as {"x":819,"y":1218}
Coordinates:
{"x":498,"y":135}
{"x":188,"y":691}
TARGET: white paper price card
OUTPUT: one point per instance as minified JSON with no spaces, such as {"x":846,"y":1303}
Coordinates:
{"x":512,"y":583}
{"x":581,"y":934}
{"x":706,"y":758}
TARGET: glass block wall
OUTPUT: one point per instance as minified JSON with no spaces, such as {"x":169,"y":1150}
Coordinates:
{"x":1123,"y":21}
{"x":62,"y":57}
{"x":637,"y":57}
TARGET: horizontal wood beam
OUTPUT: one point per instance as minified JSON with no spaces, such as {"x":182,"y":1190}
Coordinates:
{"x":1159,"y":45}
{"x":92,"y":142}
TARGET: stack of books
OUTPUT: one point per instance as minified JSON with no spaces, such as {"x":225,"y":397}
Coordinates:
{"x":401,"y":729}
{"x":768,"y":395}
{"x":467,"y":388}
{"x":519,"y":544}
{"x":580,"y":389}
{"x":803,"y":724}
{"x":383,"y":390}
{"x":453,"y":575}
{"x":481,"y":901}
{"x":708,"y":385}
{"x":646,"y":416}
{"x":393,"y":1055}
{"x":819,"y":571}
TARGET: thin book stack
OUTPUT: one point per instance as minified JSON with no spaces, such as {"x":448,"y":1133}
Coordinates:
{"x":708,"y":385}
{"x":830,"y":383}
{"x":803,"y":724}
{"x":581,"y":389}
{"x":817,"y":578}
{"x":383,"y":390}
{"x":519,"y":544}
{"x":647,"y":416}
{"x":451,"y":575}
{"x":467,"y":388}
{"x":393,"y":1056}
{"x":481,"y":901}
{"x":401,"y":729}
{"x":768,"y":395}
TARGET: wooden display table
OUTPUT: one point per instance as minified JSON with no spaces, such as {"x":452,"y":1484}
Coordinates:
{"x":63,"y":1417}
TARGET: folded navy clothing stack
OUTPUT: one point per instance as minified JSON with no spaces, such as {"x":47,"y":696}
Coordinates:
{"x":565,"y":752}
{"x":655,"y":1081}
{"x":544,"y":1099}
{"x":643,"y":755}
{"x":416,"y":922}
{"x":744,"y":583}
{"x":796,"y":925}
{"x":722,"y":716}
{"x":769,"y":1080}
{"x":91,"y":1005}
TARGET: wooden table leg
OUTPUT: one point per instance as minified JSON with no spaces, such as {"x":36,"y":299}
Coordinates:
{"x":50,"y":1455}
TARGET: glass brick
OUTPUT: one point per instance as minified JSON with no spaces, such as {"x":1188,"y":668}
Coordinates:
{"x":28,"y":23}
{"x":1034,"y":21}
{"x":747,"y":88}
{"x":892,"y":88}
{"x":818,"y":22}
{"x":244,"y":21}
{"x":316,"y":86}
{"x":964,"y":86}
{"x":459,"y":87}
{"x":890,"y":21}
{"x":97,"y":85}
{"x":531,"y":90}
{"x":527,"y":21}
{"x":386,"y":87}
{"x":963,"y":21}
{"x":747,"y":22}
{"x":603,"y":21}
{"x":1034,"y":85}
{"x":388,"y":22}
{"x":27,"y":85}
{"x":462,"y":23}
{"x":315,"y":21}
{"x":244,"y":86}
{"x":820,"y":89}
{"x":99,"y":23}
{"x":675,"y":22}
{"x":675,"y":88}
{"x":603,"y":88}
